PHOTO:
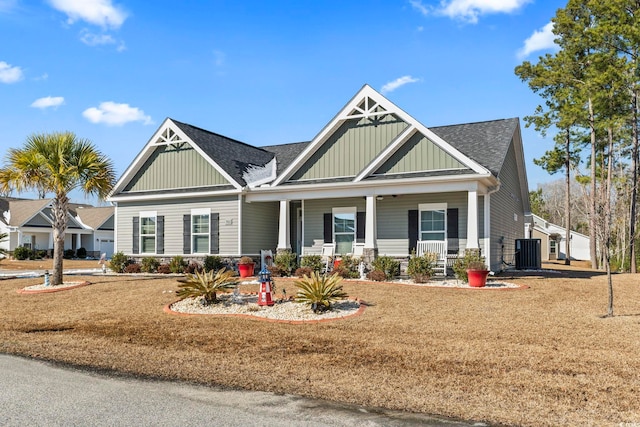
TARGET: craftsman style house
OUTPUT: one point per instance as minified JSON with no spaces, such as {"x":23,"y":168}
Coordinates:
{"x":373,"y":179}
{"x":29,"y":223}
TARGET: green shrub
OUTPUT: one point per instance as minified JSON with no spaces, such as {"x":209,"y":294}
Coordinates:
{"x":421,"y":268}
{"x":314,"y":262}
{"x":21,"y":253}
{"x":389,"y":266}
{"x":149,"y":264}
{"x":177,"y":264}
{"x":69,"y":253}
{"x":471,"y":258}
{"x":319,"y":291}
{"x":82,"y":253}
{"x":348,"y":267}
{"x":287,"y":262}
{"x":118,"y":262}
{"x":212,"y":263}
{"x":207,"y":284}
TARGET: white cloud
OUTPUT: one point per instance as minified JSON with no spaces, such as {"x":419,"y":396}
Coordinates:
{"x":91,"y":39}
{"x":114,"y":114}
{"x":9,"y":74}
{"x":47,"y":102}
{"x":96,"y":12}
{"x":542,"y":39}
{"x":391,"y":86}
{"x":470,"y":10}
{"x":417,"y":5}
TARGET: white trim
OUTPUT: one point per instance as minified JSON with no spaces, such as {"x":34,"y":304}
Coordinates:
{"x":398,"y":142}
{"x":344,"y":210}
{"x":148,"y":214}
{"x":420,"y":171}
{"x":472,"y":220}
{"x":371,"y":227}
{"x":240,"y":221}
{"x":487,"y":230}
{"x":284,"y":231}
{"x":162,"y":196}
{"x":422,"y":207}
{"x":380,"y":101}
{"x":149,"y":149}
{"x":200,"y":211}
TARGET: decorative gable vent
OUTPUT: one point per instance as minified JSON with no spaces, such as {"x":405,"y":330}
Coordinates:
{"x":168,"y":136}
{"x":368,"y":108}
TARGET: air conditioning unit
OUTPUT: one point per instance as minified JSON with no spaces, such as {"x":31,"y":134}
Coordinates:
{"x":528,"y":254}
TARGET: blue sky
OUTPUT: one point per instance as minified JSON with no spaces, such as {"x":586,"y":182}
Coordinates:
{"x":261,"y":72}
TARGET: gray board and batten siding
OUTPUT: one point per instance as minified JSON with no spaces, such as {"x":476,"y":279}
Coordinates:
{"x":175,"y":166}
{"x":351,"y":148}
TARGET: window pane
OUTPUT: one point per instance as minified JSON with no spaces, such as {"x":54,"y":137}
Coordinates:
{"x":432,"y":236}
{"x":147,"y":226}
{"x":148,"y":244}
{"x":344,"y":243}
{"x":201,"y":244}
{"x":344,"y":223}
{"x":200,"y":223}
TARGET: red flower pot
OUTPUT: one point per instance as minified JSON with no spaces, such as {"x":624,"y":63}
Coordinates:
{"x":477,"y":278}
{"x":246,"y":270}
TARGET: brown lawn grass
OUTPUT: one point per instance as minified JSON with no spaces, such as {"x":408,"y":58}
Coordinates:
{"x":534,"y":357}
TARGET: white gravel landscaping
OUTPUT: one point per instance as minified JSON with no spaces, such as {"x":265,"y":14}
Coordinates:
{"x":247,"y":305}
{"x":455,"y":283}
{"x":43,"y":287}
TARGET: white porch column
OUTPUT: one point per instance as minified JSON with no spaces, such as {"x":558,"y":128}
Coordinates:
{"x":472,"y":220}
{"x":19,"y":238}
{"x":50,"y":245}
{"x":78,"y":241}
{"x":284,"y":229}
{"x":487,"y":229}
{"x":370,"y":231}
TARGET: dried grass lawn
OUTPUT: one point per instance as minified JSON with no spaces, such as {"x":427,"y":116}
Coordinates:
{"x":534,"y":357}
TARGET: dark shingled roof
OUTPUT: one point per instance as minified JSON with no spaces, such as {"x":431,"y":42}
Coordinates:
{"x":231,"y":155}
{"x":286,"y":153}
{"x":485,"y":142}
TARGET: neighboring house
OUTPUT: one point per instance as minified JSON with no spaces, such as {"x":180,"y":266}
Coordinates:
{"x":373,"y":175}
{"x":29,"y":223}
{"x":553,"y":240}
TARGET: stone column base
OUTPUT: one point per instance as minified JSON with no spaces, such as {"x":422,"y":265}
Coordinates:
{"x":368,"y":255}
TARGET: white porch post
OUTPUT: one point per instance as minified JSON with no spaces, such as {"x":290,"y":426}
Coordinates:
{"x":487,"y":229}
{"x":370,"y":231}
{"x":19,"y":238}
{"x":78,"y":241}
{"x":284,"y":230}
{"x":472,"y":220}
{"x":50,"y":245}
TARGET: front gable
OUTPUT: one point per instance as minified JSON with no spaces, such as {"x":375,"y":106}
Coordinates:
{"x":39,"y":220}
{"x":172,"y":161}
{"x":372,"y":136}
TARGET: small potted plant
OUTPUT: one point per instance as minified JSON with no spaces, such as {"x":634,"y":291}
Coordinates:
{"x":471,"y":268}
{"x":245,"y":266}
{"x":477,"y":273}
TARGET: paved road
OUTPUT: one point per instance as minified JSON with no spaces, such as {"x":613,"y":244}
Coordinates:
{"x":34,"y":393}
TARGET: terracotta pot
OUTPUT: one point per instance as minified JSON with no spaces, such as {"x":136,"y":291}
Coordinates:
{"x":246,"y":270}
{"x":477,"y":278}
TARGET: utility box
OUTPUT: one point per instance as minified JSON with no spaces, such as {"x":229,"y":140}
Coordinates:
{"x":528,"y":254}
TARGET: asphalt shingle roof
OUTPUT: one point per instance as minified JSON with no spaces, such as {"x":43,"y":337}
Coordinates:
{"x":231,"y":155}
{"x":485,"y":142}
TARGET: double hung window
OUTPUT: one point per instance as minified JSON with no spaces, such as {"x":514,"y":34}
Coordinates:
{"x":433,"y":221}
{"x":344,"y":229}
{"x":148,"y":229}
{"x":200,"y":230}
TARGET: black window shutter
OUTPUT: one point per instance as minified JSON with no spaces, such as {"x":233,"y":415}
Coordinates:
{"x":135,"y":247}
{"x":413,"y":230}
{"x":160,"y":234}
{"x":328,"y":228}
{"x":361,"y":224}
{"x":452,"y":223}
{"x":186,"y":234}
{"x":214,"y":230}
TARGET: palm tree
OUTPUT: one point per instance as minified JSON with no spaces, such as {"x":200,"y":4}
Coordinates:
{"x":58,"y":163}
